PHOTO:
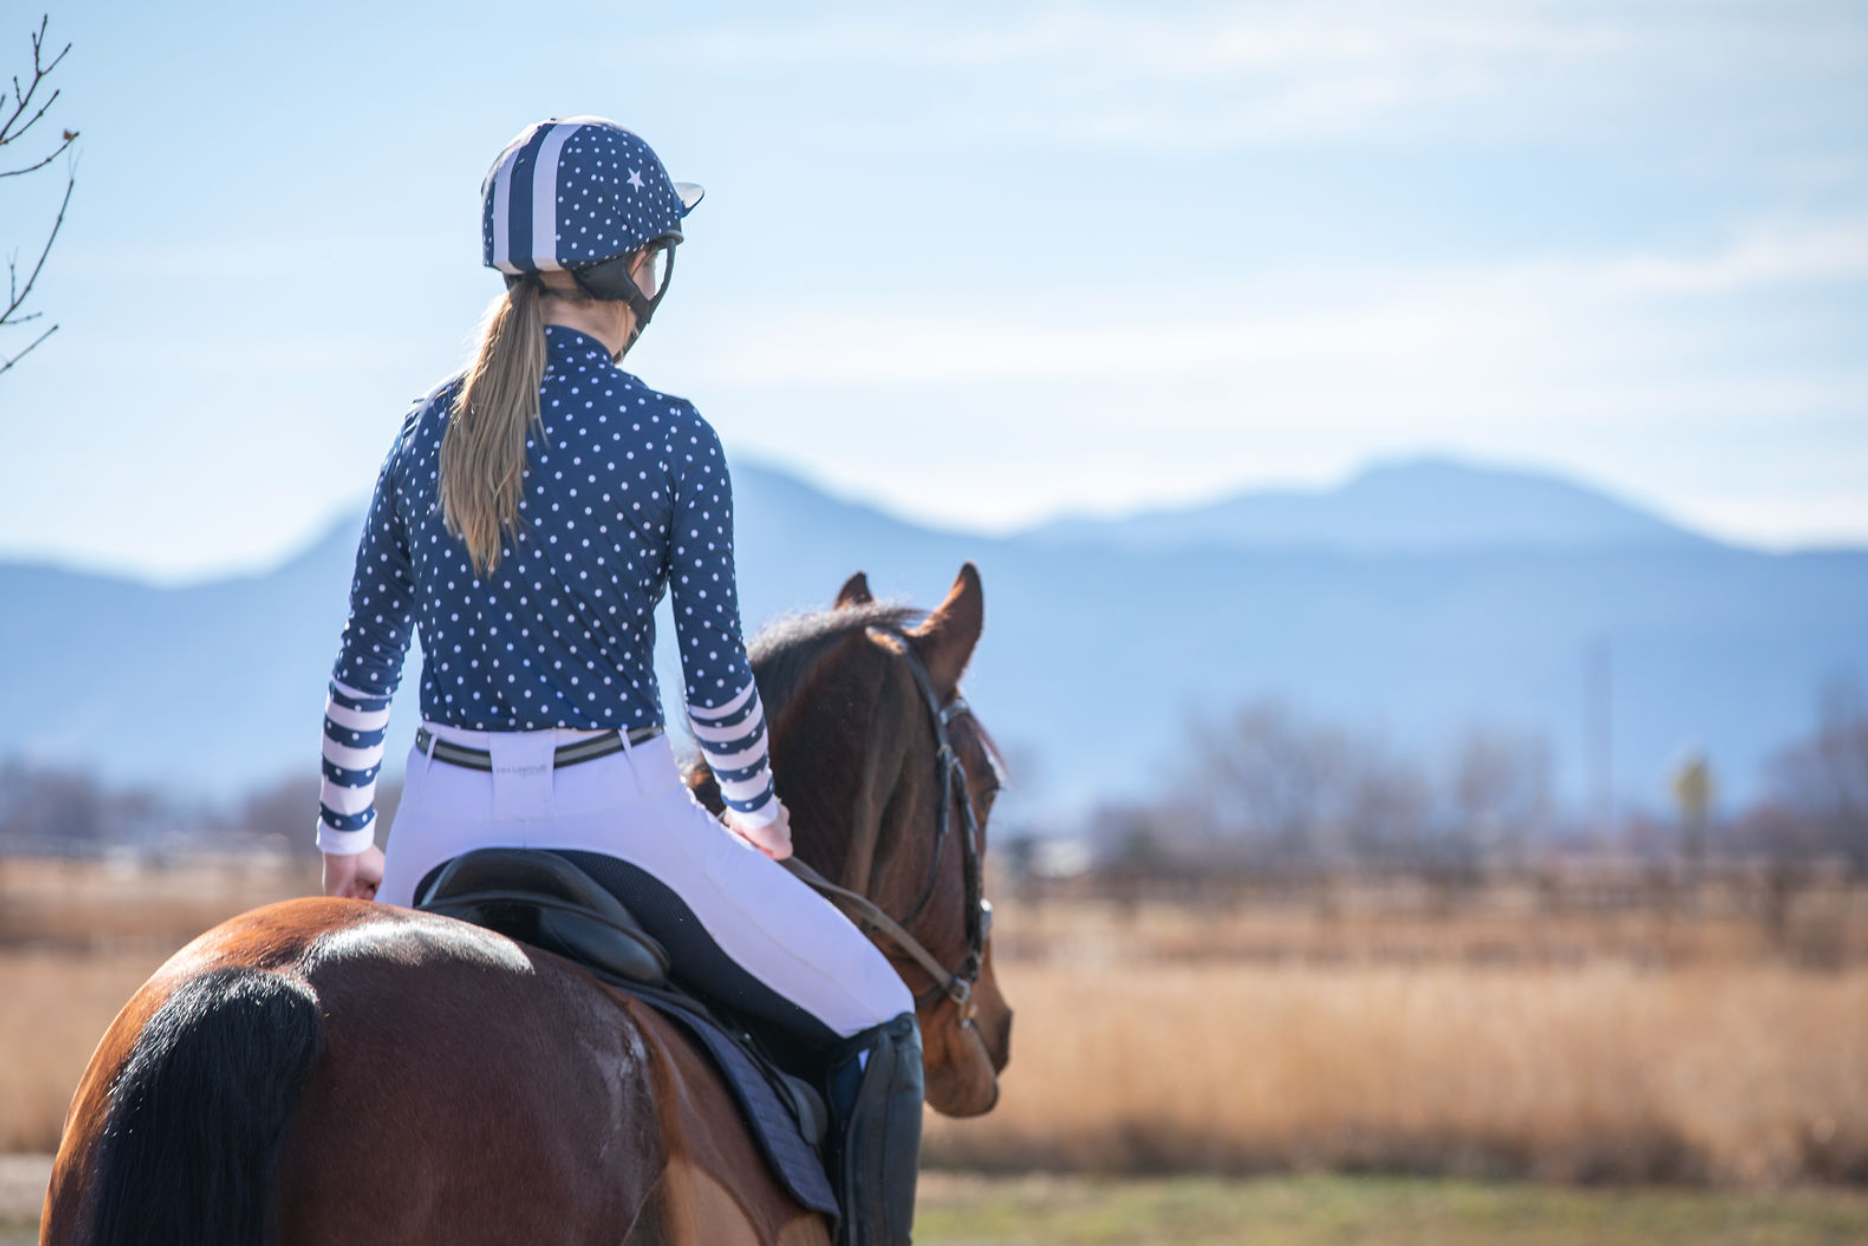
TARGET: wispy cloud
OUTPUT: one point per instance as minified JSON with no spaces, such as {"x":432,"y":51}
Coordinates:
{"x":1774,"y":255}
{"x":1652,"y":371}
{"x":1589,"y":318}
{"x":1162,"y":42}
{"x":1210,"y":76}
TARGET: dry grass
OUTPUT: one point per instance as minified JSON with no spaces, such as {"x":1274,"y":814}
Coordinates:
{"x":1753,"y":1076}
{"x":58,"y":1004}
{"x":114,"y":906}
{"x":1822,"y":924}
{"x":1680,"y":1044}
{"x":1381,"y":1029}
{"x":76,"y":940}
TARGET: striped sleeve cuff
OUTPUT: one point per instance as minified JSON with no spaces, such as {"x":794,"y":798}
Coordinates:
{"x":355,"y":727}
{"x":732,"y":739}
{"x":764,"y":814}
{"x":346,"y":843}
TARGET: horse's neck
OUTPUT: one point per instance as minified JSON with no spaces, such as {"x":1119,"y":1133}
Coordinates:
{"x":850,"y":781}
{"x":862,"y":849}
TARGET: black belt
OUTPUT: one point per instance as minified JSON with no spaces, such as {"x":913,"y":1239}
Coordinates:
{"x":564,"y":755}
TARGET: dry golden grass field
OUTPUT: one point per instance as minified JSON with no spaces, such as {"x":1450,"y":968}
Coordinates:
{"x":1359,"y":1033}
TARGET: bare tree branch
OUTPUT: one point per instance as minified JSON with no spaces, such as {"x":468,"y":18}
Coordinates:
{"x":11,"y":130}
{"x":70,"y":137}
{"x":23,"y":101}
{"x":16,"y":358}
{"x":7,"y":317}
{"x":20,"y":133}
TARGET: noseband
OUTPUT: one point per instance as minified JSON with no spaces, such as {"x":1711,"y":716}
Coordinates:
{"x":957,"y":984}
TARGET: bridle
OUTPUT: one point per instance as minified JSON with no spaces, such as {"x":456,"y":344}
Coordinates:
{"x":958,"y":984}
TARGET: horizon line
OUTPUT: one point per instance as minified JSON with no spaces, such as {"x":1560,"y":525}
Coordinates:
{"x":322,"y":529}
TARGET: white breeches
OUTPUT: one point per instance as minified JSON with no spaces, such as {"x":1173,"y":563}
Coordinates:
{"x":632,"y":805}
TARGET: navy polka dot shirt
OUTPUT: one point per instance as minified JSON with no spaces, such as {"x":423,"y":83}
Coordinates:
{"x":626,"y":495}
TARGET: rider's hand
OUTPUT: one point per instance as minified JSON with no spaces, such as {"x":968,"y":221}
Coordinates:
{"x":355,"y":875}
{"x":773,"y":839}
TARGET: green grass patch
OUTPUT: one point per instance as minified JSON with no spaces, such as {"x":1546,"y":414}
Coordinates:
{"x":1381,"y":1211}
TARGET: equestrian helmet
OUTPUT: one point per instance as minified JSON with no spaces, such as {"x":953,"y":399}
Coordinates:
{"x":569,"y":193}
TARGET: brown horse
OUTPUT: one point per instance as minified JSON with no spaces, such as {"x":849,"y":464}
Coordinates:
{"x":324,"y":1070}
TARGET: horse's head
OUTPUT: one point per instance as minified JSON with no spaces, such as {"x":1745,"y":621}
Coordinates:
{"x":856,"y":757}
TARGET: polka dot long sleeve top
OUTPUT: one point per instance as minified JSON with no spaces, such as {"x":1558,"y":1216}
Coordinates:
{"x":626,"y":496}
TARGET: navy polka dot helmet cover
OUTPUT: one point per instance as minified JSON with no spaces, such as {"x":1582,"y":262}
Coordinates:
{"x":575,"y":190}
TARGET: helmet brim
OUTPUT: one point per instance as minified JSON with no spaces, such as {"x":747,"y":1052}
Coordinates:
{"x":691,"y":194}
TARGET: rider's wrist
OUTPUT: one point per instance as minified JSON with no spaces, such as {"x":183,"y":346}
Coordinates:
{"x":335,"y":843}
{"x":755,"y":819}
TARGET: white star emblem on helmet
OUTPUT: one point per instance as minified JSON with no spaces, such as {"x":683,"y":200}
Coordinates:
{"x":635,"y":178}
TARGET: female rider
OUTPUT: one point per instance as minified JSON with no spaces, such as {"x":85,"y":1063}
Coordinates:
{"x":528,"y":518}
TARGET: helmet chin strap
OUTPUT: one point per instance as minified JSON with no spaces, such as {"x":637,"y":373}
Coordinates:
{"x":610,"y":282}
{"x":639,"y":305}
{"x":632,"y":295}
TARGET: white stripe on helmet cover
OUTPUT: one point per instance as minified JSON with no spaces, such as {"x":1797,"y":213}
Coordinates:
{"x":502,"y":201}
{"x":545,"y":198}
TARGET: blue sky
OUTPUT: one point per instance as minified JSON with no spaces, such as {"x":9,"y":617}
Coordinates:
{"x":977,"y":264}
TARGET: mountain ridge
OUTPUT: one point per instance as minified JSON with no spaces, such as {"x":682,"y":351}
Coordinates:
{"x":1094,"y":657}
{"x":1430,"y":503}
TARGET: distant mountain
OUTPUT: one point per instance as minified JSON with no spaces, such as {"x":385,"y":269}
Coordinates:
{"x":1419,"y":506}
{"x":1099,"y":644}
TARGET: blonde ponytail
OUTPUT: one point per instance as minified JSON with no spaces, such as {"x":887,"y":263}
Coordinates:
{"x":483,"y":449}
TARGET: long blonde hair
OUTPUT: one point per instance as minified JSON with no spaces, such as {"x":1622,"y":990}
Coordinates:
{"x":483,"y":450}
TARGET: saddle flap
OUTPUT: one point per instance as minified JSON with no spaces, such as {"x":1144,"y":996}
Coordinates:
{"x":540,"y":898}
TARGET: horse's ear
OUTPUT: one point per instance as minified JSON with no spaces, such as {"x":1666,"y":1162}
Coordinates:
{"x":855,"y":592}
{"x":945,"y":639}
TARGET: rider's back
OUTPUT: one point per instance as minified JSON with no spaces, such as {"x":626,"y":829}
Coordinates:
{"x":626,"y":494}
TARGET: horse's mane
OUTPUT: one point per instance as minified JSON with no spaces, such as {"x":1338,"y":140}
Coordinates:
{"x":785,"y":650}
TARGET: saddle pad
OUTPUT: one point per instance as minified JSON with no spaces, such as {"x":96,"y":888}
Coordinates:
{"x":792,"y":1159}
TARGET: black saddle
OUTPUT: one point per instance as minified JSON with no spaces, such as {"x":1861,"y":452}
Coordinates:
{"x":541,"y":898}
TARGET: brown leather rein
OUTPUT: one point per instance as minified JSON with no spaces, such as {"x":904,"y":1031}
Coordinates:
{"x":957,"y":984}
